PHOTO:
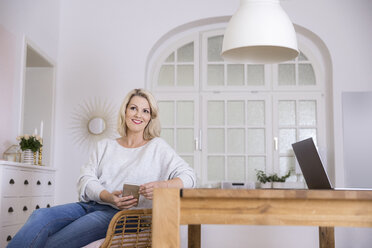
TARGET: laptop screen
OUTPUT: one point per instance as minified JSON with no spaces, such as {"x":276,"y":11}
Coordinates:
{"x":311,"y":165}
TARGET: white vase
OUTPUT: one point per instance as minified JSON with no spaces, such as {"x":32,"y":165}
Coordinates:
{"x":28,"y":156}
{"x":267,"y":185}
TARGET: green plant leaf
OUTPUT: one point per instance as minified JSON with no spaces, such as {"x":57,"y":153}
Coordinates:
{"x":263,"y":178}
{"x":31,"y":143}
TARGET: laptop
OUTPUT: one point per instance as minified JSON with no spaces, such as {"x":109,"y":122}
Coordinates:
{"x":312,"y":167}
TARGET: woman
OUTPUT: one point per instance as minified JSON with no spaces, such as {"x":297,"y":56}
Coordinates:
{"x":139,"y":157}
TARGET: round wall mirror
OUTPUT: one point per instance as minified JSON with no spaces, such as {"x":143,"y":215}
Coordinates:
{"x":96,"y":125}
{"x":92,"y":121}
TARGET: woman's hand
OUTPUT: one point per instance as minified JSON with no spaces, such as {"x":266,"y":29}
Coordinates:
{"x":116,"y":199}
{"x":147,"y":189}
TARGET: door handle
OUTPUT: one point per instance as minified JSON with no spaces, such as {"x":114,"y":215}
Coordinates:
{"x":276,"y":143}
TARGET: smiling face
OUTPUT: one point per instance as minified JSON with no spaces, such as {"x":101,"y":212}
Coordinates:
{"x":137,"y":114}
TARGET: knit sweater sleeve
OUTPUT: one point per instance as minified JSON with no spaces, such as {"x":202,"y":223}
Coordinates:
{"x":177,"y":167}
{"x":88,"y":183}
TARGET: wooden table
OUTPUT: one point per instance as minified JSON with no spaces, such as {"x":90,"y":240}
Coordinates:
{"x":323,"y":208}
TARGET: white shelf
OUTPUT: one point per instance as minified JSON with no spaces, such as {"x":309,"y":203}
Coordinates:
{"x":29,"y":166}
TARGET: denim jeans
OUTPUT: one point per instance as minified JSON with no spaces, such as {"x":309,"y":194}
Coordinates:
{"x":70,"y":225}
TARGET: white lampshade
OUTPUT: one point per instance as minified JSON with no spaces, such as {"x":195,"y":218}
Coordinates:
{"x":260,"y":32}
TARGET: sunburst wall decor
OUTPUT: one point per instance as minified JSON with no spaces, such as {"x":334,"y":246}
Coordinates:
{"x":92,"y":121}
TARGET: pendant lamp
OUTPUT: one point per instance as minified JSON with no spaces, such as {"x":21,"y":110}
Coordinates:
{"x":259,"y":32}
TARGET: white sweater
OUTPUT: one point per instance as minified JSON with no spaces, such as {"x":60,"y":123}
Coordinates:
{"x":111,"y":165}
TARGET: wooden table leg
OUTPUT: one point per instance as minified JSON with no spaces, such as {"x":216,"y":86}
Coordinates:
{"x":194,"y":234}
{"x":326,"y":237}
{"x":166,"y":218}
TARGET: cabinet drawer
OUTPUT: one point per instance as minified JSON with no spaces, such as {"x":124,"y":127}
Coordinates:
{"x":48,"y":202}
{"x":42,"y":184}
{"x":17,"y":182}
{"x":26,"y":182}
{"x":25,"y":209}
{"x":7,"y":233}
{"x":42,"y":202}
{"x":49,"y":184}
{"x":10,"y":210}
{"x":11,"y":182}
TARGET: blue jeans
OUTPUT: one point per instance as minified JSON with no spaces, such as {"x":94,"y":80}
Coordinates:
{"x":70,"y":225}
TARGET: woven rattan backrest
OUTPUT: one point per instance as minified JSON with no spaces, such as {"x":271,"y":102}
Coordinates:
{"x":130,"y":228}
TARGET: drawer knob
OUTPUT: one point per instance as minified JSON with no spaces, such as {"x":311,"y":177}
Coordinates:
{"x":11,"y":181}
{"x":26,"y":182}
{"x":9,"y":238}
{"x":10,"y":210}
{"x":37,"y":207}
{"x":25,"y":208}
{"x":48,"y":206}
{"x":49,"y":183}
{"x":38,"y":182}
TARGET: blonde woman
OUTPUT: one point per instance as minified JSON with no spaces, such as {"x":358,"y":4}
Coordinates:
{"x":138,"y":157}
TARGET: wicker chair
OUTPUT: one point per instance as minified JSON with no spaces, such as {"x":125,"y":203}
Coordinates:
{"x":129,"y":228}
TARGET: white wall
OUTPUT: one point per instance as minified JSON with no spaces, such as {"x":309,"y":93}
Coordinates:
{"x":38,"y":22}
{"x":7,"y":71}
{"x":101,"y":49}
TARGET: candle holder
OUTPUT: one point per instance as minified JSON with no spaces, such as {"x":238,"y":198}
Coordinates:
{"x":40,"y":156}
{"x":34,"y":158}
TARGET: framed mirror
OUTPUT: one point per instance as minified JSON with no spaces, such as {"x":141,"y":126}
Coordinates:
{"x":92,"y":121}
{"x":38,"y":98}
{"x":96,"y":125}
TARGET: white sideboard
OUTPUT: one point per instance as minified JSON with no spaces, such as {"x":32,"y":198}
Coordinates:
{"x":23,"y":189}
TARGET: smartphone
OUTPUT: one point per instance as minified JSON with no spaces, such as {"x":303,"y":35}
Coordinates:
{"x":131,"y":189}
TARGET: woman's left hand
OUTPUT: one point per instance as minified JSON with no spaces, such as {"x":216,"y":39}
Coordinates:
{"x":147,"y":189}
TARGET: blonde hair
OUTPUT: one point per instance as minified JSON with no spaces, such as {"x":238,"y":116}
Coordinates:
{"x":152,"y":129}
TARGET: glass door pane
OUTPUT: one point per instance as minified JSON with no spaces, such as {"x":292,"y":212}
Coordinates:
{"x":235,"y":140}
{"x":185,"y":113}
{"x":296,"y":75}
{"x":216,"y":168}
{"x":296,"y":119}
{"x":214,"y":48}
{"x":255,"y":113}
{"x":185,"y":75}
{"x":236,"y":134}
{"x":307,"y":113}
{"x":235,"y":74}
{"x":236,"y":168}
{"x":235,"y":113}
{"x":186,"y":53}
{"x":287,"y":74}
{"x":255,"y":75}
{"x":256,"y":141}
{"x":216,"y":140}
{"x":216,"y":113}
{"x":179,"y":127}
{"x":166,"y":107}
{"x":166,"y":75}
{"x":178,"y":69}
{"x":216,"y":75}
{"x":220,"y":74}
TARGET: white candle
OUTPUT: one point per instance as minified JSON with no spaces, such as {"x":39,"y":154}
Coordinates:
{"x":41,"y":129}
{"x":35,"y":132}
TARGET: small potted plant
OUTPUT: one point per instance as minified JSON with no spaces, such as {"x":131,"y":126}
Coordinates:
{"x":30,"y":144}
{"x":270,"y":181}
{"x":263,"y":179}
